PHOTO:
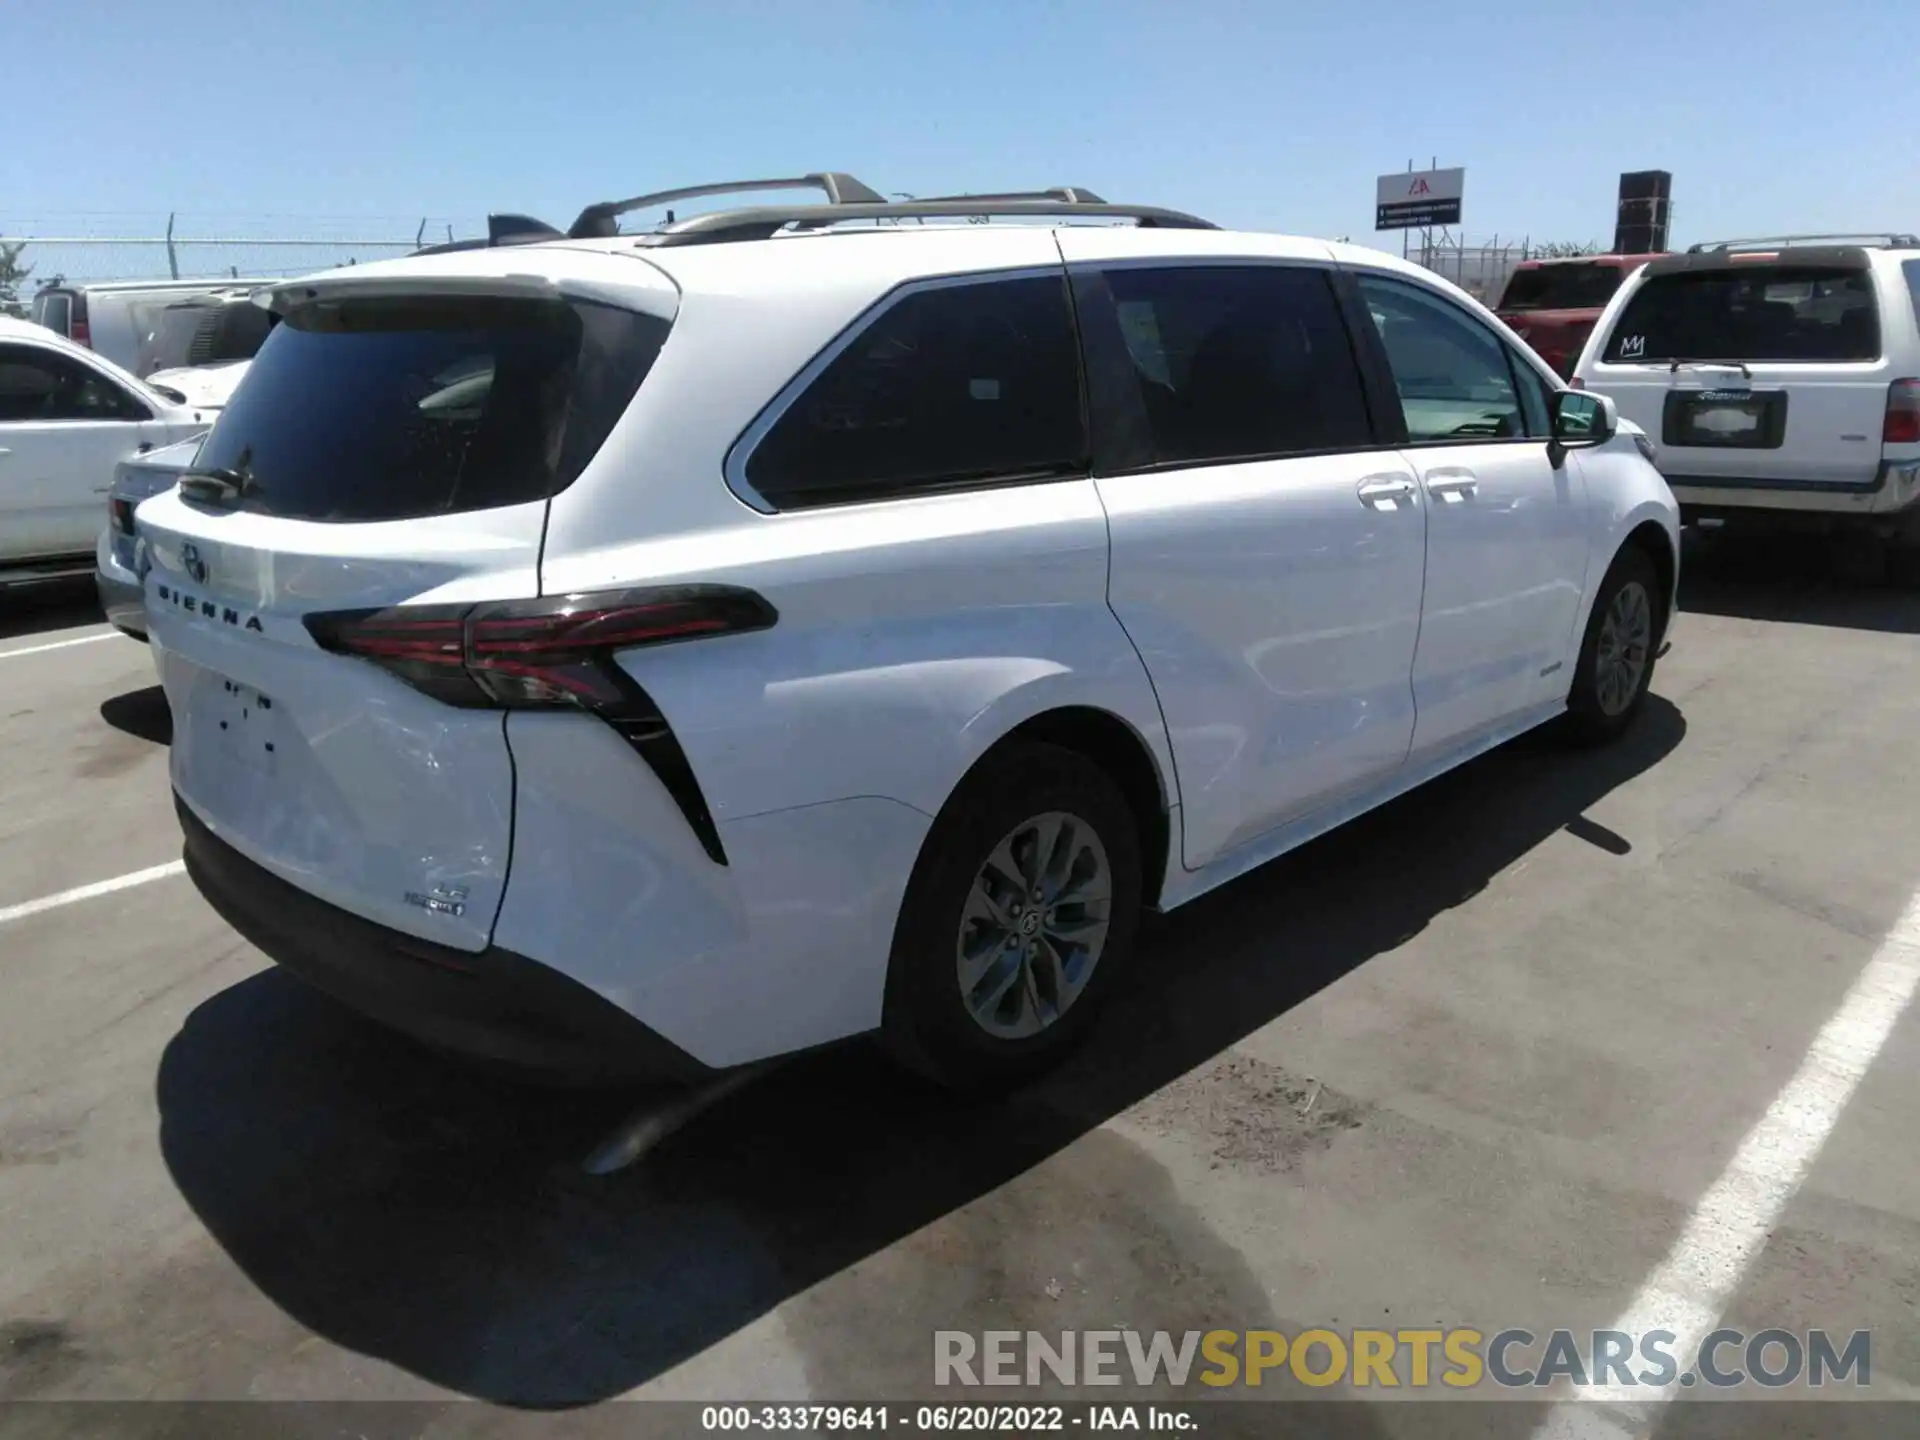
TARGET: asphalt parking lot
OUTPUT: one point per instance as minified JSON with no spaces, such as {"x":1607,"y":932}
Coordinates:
{"x":1483,"y":1058}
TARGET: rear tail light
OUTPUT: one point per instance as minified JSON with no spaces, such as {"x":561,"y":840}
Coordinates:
{"x":78,"y":330}
{"x":1576,"y":383}
{"x":121,"y":514}
{"x":554,"y":653}
{"x":1902,"y":426}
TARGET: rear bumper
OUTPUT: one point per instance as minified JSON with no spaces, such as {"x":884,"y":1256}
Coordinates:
{"x":122,"y":596}
{"x":495,"y":1006}
{"x":1893,"y":490}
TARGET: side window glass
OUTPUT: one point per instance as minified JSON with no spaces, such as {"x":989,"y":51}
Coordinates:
{"x":1239,"y":362}
{"x":1533,"y":398}
{"x":949,"y":386}
{"x":1451,"y":372}
{"x":37,"y":384}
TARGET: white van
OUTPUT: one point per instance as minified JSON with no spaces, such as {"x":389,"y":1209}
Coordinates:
{"x":1780,"y":378}
{"x":123,"y":320}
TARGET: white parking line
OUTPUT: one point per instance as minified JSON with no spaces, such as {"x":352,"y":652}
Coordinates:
{"x":57,"y":645}
{"x":87,"y":892}
{"x":1688,"y":1292}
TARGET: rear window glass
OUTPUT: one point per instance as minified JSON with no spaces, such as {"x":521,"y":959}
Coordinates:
{"x":1767,"y":313}
{"x":1562,"y":287}
{"x":53,"y":311}
{"x":1911,"y":269}
{"x":201,"y":332}
{"x":395,"y":409}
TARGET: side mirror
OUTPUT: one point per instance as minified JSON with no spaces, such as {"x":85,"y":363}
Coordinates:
{"x":1581,"y":417}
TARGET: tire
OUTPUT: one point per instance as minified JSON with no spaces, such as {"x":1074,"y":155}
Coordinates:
{"x":1596,"y":713}
{"x":929,"y":1024}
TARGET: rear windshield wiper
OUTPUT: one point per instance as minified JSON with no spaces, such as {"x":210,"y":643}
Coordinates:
{"x":224,"y":486}
{"x":1740,"y":365}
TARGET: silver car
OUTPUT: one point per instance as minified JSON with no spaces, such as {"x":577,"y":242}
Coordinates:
{"x":120,"y":571}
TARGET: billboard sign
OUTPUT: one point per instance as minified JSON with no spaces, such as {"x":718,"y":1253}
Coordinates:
{"x":1415,"y":199}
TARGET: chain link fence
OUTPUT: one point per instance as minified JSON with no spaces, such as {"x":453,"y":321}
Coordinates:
{"x":81,"y":248}
{"x":1479,"y":268}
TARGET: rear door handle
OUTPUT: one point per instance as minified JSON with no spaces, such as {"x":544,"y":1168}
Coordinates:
{"x":1452,"y":485}
{"x":1380,"y":492}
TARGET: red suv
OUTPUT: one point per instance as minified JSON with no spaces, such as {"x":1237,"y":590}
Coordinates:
{"x":1553,"y":304}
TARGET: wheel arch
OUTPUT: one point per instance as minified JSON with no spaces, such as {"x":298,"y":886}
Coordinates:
{"x":1651,"y":537}
{"x":1117,"y":747}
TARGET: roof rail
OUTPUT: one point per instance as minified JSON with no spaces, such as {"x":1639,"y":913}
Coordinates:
{"x":763,"y":222}
{"x":1070,"y":194}
{"x":598,"y":222}
{"x":1878,"y":239}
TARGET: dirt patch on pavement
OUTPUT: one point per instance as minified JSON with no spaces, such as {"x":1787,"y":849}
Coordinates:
{"x":1251,"y":1115}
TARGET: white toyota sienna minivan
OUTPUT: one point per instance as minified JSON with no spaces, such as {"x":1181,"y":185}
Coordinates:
{"x":628,"y":655}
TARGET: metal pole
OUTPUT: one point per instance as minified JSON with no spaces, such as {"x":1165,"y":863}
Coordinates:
{"x":173,"y":259}
{"x":421,"y":233}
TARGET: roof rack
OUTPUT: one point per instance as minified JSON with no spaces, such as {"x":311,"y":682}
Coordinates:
{"x":763,"y":222}
{"x":1883,"y":240}
{"x":1067,"y":194}
{"x":598,"y":222}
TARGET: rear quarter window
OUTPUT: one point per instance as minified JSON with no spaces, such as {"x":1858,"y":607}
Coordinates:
{"x":1766,"y":313}
{"x":399,"y":409}
{"x":948,"y":387}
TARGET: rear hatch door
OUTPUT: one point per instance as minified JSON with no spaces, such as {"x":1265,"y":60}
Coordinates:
{"x":1762,"y":370}
{"x":390,"y":449}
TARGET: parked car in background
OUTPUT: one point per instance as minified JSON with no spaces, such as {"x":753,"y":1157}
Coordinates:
{"x":68,"y":416}
{"x":1780,"y":378}
{"x":653,"y":654}
{"x":118,"y":567}
{"x":205,"y":387}
{"x":120,"y":320}
{"x":1553,"y":304}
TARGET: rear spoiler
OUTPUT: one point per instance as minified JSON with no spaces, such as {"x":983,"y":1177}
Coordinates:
{"x":346,"y":285}
{"x":1851,"y":258}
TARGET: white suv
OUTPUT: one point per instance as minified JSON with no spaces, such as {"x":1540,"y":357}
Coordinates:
{"x":649,"y":654}
{"x":1780,"y":378}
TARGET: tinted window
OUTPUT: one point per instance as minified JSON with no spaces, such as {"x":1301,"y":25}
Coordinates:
{"x":1762,"y":312}
{"x":201,"y":332}
{"x":1567,"y":285}
{"x":1239,"y":361}
{"x":53,"y":311}
{"x":1911,"y":269}
{"x":37,"y":384}
{"x":1533,"y":397}
{"x":1452,"y":375}
{"x":948,"y":386}
{"x":392,"y":409}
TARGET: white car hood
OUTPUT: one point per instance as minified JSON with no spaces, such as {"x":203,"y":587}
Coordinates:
{"x":207,"y":387}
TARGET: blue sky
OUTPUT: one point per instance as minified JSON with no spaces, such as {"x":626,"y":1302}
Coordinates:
{"x":1275,"y":116}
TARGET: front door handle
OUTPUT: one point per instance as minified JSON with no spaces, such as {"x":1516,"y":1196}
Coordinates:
{"x":1452,"y":485}
{"x":1382,"y":492}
